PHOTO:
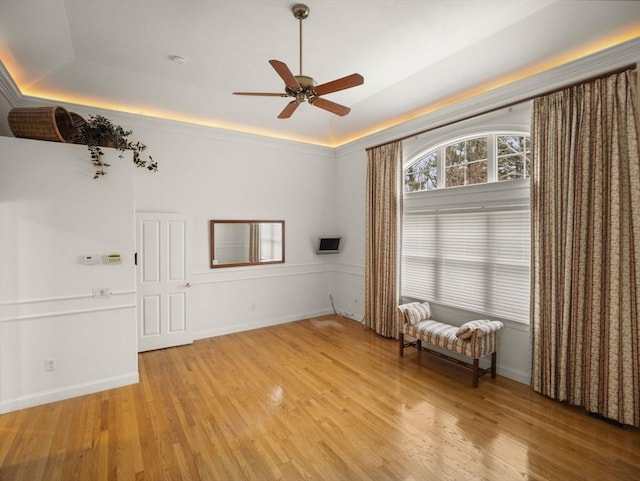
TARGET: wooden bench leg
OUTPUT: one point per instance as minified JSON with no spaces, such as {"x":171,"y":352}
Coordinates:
{"x":476,"y":369}
{"x":493,"y":365}
{"x":401,"y":343}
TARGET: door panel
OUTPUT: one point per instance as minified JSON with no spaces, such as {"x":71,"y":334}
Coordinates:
{"x":150,"y":315}
{"x":177,"y":306}
{"x":177,"y":237}
{"x":162,"y":281}
{"x":150,"y":251}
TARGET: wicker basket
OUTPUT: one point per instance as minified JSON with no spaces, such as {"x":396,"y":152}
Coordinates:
{"x":78,"y":123}
{"x":42,"y":123}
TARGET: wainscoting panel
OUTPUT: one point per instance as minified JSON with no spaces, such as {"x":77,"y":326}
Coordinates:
{"x":90,"y":349}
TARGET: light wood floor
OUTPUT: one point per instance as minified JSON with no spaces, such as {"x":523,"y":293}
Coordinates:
{"x":319,"y":399}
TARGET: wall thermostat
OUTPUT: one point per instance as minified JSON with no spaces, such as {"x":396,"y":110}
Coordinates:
{"x":114,"y":259}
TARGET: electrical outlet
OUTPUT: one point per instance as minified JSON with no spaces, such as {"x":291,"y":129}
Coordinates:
{"x":49,"y":365}
{"x":99,"y":292}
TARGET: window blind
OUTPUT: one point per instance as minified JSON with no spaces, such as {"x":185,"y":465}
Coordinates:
{"x":473,"y":259}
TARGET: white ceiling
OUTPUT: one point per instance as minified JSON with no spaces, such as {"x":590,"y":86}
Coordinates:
{"x":413,"y":54}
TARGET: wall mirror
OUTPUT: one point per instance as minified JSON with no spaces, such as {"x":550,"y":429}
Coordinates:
{"x":236,"y":243}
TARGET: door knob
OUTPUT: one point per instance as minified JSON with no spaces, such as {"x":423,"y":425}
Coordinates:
{"x":188,"y":284}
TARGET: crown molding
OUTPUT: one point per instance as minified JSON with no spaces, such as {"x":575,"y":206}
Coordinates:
{"x":10,"y":91}
{"x":573,"y":72}
{"x":8,"y":88}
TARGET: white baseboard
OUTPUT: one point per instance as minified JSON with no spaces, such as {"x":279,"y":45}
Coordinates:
{"x":353,"y":317}
{"x":248,"y":326}
{"x":519,"y":376}
{"x":67,"y":392}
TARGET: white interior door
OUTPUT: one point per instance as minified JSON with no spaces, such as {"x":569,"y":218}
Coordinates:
{"x":162,"y":280}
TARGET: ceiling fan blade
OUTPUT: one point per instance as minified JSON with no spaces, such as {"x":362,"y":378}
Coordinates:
{"x":330,"y":106}
{"x":261,"y":94}
{"x":289,"y":109}
{"x":286,"y":75}
{"x":339,"y":84}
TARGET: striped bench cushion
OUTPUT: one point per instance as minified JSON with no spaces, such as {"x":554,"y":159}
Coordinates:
{"x":444,"y":335}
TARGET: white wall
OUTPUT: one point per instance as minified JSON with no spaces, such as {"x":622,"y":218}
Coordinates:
{"x":60,"y":213}
{"x":351,"y":172}
{"x":51,"y":214}
{"x":203,"y":174}
{"x":209,"y":174}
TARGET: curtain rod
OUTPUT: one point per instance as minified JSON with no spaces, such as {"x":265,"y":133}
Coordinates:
{"x":510,"y":104}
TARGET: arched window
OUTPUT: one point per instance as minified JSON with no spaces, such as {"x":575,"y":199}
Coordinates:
{"x":468,"y":247}
{"x":478,"y":159}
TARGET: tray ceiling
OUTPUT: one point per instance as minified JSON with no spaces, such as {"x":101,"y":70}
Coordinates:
{"x":413,"y":55}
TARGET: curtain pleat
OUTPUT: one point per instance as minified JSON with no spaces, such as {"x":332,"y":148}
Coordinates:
{"x":384,"y":207}
{"x":585,"y":205}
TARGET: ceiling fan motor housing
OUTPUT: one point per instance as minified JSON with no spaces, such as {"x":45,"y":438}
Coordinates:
{"x":307,"y":84}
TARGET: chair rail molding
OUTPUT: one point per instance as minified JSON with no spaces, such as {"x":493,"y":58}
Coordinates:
{"x":42,"y":308}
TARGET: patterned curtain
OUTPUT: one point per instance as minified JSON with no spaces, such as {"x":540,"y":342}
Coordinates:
{"x":384,"y":209}
{"x":585,"y":204}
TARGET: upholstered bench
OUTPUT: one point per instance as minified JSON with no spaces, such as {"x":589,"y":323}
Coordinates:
{"x":474,"y":339}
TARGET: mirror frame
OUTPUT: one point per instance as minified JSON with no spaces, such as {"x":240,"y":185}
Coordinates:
{"x":212,"y":257}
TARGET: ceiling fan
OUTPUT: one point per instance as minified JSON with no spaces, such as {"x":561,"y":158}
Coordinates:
{"x":303,"y":88}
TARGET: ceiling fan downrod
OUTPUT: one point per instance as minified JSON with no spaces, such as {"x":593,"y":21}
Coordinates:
{"x":300,"y":11}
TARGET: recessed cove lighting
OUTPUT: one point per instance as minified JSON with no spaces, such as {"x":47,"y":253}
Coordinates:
{"x":178,"y":59}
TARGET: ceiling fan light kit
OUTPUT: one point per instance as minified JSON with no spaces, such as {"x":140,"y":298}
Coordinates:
{"x":304,"y":88}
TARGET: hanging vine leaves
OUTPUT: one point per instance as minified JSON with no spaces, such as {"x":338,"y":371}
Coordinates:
{"x":100,"y":132}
